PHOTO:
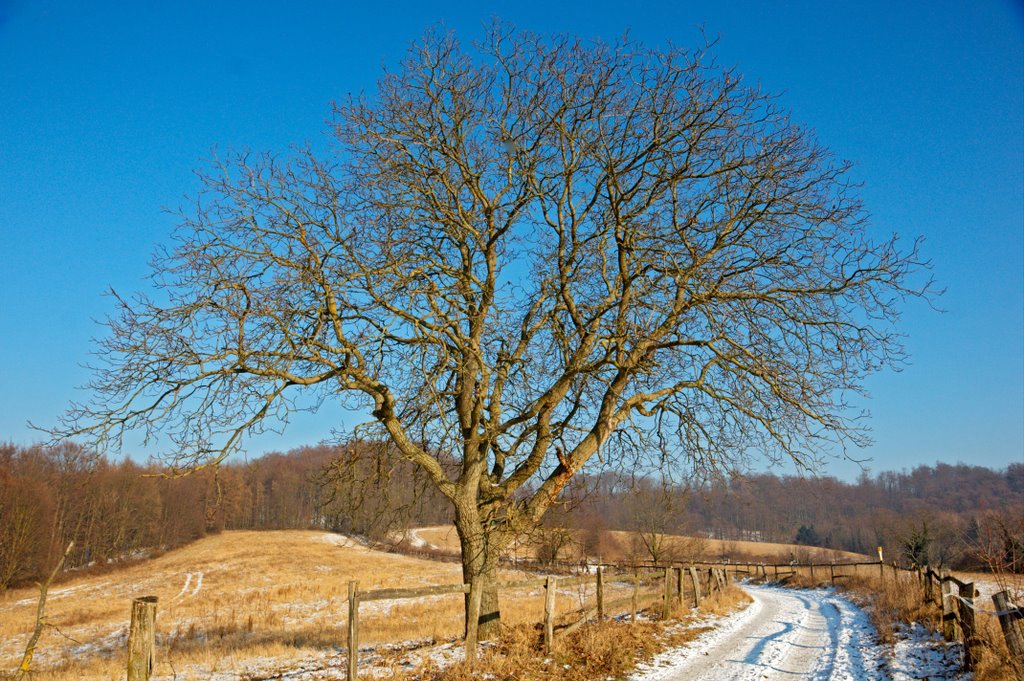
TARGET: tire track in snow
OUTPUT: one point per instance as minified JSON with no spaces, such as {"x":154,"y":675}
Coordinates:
{"x":184,"y":594}
{"x":184,"y":588}
{"x":60,"y":593}
{"x":783,"y":634}
{"x":198,"y":586}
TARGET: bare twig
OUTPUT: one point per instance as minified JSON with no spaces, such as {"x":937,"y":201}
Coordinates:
{"x":44,"y":587}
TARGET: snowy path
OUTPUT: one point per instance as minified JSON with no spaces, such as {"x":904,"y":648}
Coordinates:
{"x":783,"y":634}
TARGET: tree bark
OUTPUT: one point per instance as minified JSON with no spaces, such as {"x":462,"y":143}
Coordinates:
{"x":480,"y":570}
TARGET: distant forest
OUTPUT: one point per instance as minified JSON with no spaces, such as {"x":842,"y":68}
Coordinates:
{"x":954,"y":515}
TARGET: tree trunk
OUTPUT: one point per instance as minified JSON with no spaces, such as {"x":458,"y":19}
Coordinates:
{"x":480,"y":561}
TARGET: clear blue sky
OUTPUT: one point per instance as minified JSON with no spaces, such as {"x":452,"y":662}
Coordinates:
{"x":106,"y":108}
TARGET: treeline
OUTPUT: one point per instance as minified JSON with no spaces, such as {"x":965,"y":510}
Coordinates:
{"x":51,"y":496}
{"x":959,"y":516}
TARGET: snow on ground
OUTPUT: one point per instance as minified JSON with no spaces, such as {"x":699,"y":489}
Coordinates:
{"x":795,"y":634}
{"x":987,"y":586}
{"x":342,"y":540}
{"x":925,"y":654}
{"x":329,"y":665}
{"x":62,"y":593}
{"x":817,"y":635}
{"x":185,"y":594}
{"x":417,"y":540}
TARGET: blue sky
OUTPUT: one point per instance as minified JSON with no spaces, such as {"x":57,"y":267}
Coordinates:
{"x":106,"y":109}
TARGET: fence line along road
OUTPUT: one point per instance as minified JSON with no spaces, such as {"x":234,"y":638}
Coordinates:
{"x":670,"y":591}
{"x":666,"y":585}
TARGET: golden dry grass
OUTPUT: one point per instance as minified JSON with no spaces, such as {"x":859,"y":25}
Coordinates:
{"x":604,"y":650}
{"x":279,"y":598}
{"x":265,"y":603}
{"x":224,"y":599}
{"x":444,"y":537}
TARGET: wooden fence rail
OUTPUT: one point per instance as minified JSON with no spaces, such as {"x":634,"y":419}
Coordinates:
{"x":670,"y":592}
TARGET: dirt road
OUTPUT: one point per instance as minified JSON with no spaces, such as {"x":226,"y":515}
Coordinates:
{"x":784,"y":634}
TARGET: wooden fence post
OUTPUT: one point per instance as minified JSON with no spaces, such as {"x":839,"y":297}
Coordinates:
{"x":812,"y":571}
{"x":636,"y":595}
{"x":929,"y":595}
{"x":881,"y":571}
{"x":600,"y":593}
{"x":353,"y":631}
{"x":695,"y":578}
{"x":142,"y":639}
{"x":1010,"y":621}
{"x":679,"y":585}
{"x":967,"y":625}
{"x":832,"y":572}
{"x":549,"y":614}
{"x":668,"y":593}
{"x":949,"y":627}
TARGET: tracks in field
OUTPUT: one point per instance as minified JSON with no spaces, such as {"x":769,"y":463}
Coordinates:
{"x":185,"y":594}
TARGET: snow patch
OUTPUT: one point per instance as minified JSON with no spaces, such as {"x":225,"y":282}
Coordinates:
{"x":184,"y":587}
{"x":185,"y":594}
{"x":59,"y":593}
{"x":417,"y":541}
{"x":925,"y":654}
{"x":815,"y":635}
{"x":341,"y":540}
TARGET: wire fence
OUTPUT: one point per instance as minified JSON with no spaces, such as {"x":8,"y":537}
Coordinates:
{"x":662,"y":587}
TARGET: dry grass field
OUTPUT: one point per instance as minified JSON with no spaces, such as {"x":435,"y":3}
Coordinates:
{"x":443,"y":537}
{"x":249,"y":605}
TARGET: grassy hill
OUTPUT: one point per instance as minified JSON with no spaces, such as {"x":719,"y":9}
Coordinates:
{"x":625,"y":545}
{"x":246,"y":603}
{"x":257,"y":604}
{"x":252,"y":602}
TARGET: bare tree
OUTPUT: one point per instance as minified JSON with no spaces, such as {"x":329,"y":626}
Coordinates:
{"x":25,"y":668}
{"x":999,"y":547}
{"x":553,"y":543}
{"x":370,"y":489}
{"x":519,"y":257}
{"x":656,"y":511}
